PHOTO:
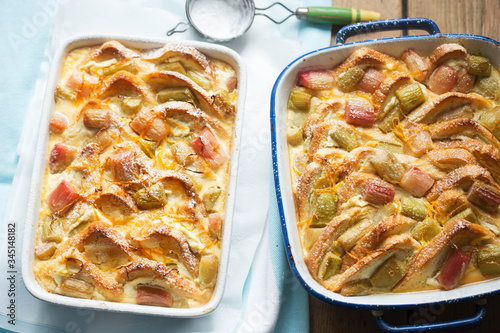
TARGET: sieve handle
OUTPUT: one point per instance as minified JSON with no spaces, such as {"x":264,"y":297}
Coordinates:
{"x":336,"y":15}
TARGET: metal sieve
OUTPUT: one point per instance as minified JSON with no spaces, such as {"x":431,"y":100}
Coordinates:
{"x":225,"y":20}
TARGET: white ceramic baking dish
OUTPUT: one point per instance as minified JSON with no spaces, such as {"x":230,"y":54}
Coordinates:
{"x":28,"y":250}
{"x":329,"y":58}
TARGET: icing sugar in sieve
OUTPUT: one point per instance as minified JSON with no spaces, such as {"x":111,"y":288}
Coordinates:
{"x":224,"y":20}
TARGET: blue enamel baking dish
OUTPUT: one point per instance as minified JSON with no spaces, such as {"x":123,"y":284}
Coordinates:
{"x":330,"y":57}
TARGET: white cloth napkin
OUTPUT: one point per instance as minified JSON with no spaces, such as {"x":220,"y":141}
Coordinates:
{"x":258,"y":275}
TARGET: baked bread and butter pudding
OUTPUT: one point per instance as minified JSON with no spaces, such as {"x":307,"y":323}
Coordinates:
{"x":133,"y":197}
{"x":395,"y":165}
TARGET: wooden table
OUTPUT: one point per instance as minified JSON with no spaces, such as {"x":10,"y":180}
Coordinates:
{"x":452,"y":16}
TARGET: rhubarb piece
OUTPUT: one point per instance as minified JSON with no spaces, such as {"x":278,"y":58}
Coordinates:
{"x":62,"y":197}
{"x":352,"y":235}
{"x":485,"y":196}
{"x":207,"y":146}
{"x":147,"y":295}
{"x":123,"y":166}
{"x":389,"y":146}
{"x":443,"y":79}
{"x":416,"y":182}
{"x":147,"y":147}
{"x":149,"y":125}
{"x":465,"y":81}
{"x":174,"y":66}
{"x":324,"y":209}
{"x":453,"y":270}
{"x":210,"y":198}
{"x":150,"y":198}
{"x":294,"y":135}
{"x":372,"y":80}
{"x":466,"y":214}
{"x":183,"y":94}
{"x":487,"y":86}
{"x":357,"y":288}
{"x":299,"y":99}
{"x":128,"y":66}
{"x":58,"y":123}
{"x":350,"y":79}
{"x":410,"y":96}
{"x":420,"y":139}
{"x":201,"y":79}
{"x":214,"y":224}
{"x":181,"y":151}
{"x":425,"y":230}
{"x":94,"y":118}
{"x":316,"y":80}
{"x":378,"y":192}
{"x":388,"y":166}
{"x":61,"y":157}
{"x":491,"y":120}
{"x":479,"y":66}
{"x":346,"y":139}
{"x":413,"y":208}
{"x":488,"y":260}
{"x":386,"y":124}
{"x":388,"y":275}
{"x":77,"y":288}
{"x":359,"y":112}
{"x":415,"y":64}
{"x":207,"y":275}
{"x":330,"y":266}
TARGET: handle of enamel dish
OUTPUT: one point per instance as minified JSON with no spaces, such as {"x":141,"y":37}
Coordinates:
{"x":386,"y":25}
{"x":461,"y":324}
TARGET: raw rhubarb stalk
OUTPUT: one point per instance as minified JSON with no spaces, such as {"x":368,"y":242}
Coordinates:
{"x":207,"y":146}
{"x":378,"y":192}
{"x":58,"y":123}
{"x":415,"y":64}
{"x":454,"y":270}
{"x":371,"y":80}
{"x":359,"y":112}
{"x":61,"y":157}
{"x":317,"y":80}
{"x":416,"y":182}
{"x":443,"y":79}
{"x":62,"y":197}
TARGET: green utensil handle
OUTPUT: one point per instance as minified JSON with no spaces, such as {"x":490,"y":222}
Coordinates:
{"x":341,"y":16}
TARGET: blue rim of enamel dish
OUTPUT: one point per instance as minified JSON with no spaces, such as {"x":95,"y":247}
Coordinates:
{"x":401,"y":24}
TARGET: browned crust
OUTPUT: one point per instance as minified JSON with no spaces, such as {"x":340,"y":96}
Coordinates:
{"x":122,"y":83}
{"x":187,"y":54}
{"x":464,"y":126}
{"x":462,"y":176}
{"x":487,"y":155}
{"x":455,"y":234}
{"x":449,"y":203}
{"x":429,"y":111}
{"x":390,"y":225}
{"x":164,"y":79}
{"x":170,"y":240}
{"x":388,"y":87}
{"x":305,"y":186}
{"x":451,"y":158}
{"x":159,"y":274}
{"x":443,"y":53}
{"x":365,"y":56}
{"x":114,"y":47}
{"x":337,"y":226}
{"x":403,"y":244}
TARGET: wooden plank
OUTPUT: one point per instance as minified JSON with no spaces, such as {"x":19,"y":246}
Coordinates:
{"x":460,"y":16}
{"x":388,"y":9}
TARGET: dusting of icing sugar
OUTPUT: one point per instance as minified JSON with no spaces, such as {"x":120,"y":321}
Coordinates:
{"x":220,"y":19}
